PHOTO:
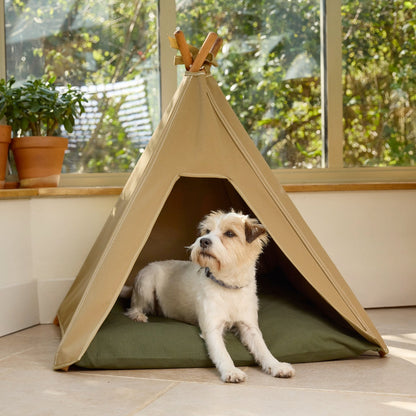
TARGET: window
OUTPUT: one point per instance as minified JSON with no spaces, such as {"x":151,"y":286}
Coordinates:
{"x":379,"y":81}
{"x":316,"y":83}
{"x":269,"y":71}
{"x":108,"y":49}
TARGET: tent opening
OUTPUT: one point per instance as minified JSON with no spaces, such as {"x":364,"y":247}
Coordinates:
{"x":297,"y":324}
{"x":190,"y":200}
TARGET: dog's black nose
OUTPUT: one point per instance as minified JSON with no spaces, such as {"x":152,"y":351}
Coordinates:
{"x":205,"y":242}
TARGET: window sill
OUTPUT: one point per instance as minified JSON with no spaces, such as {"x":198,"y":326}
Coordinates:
{"x":343,"y":187}
{"x":293,"y":180}
{"x":65,"y":192}
{"x":307,"y":177}
{"x":89,"y":191}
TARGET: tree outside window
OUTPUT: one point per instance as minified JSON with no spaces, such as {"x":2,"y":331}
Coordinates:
{"x":269,"y":71}
{"x":108,"y":49}
{"x":379,"y":56}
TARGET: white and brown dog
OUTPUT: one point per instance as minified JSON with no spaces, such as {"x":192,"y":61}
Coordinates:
{"x":216,"y":290}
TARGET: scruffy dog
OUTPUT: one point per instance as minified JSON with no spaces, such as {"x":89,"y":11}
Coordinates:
{"x":216,"y":290}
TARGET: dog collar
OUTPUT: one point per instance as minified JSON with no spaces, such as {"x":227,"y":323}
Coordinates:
{"x":220,"y":282}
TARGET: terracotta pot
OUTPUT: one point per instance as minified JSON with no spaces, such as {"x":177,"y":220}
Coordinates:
{"x":39,"y":160}
{"x":5,"y":137}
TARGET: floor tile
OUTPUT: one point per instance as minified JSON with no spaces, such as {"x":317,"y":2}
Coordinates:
{"x":201,"y":375}
{"x":367,"y":385}
{"x":394,"y":320}
{"x":365,"y":374}
{"x":18,"y":342}
{"x":188,"y":399}
{"x":41,"y":393}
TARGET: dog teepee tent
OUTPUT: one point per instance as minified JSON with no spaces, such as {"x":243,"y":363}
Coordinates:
{"x":199,"y":159}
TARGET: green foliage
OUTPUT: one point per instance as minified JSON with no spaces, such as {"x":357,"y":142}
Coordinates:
{"x":269,"y":71}
{"x":38,"y":108}
{"x":88,"y":43}
{"x":264,"y":42}
{"x":6,"y":96}
{"x":379,"y":82}
{"x":264,"y":39}
{"x":109,"y":153}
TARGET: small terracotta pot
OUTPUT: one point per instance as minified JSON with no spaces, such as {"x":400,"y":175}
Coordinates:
{"x":5,"y":138}
{"x":39,"y":160}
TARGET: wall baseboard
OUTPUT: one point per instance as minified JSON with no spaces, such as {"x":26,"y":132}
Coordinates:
{"x":50,"y":295}
{"x":31,"y":303}
{"x":19,"y":307}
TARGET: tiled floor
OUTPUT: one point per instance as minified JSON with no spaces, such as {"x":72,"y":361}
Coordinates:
{"x":365,"y":386}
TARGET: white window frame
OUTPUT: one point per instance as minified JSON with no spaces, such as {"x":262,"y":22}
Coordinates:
{"x":332,"y":94}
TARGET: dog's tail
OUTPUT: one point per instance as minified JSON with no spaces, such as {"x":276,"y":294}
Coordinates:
{"x":126,"y":292}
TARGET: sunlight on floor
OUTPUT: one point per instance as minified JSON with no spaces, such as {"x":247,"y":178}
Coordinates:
{"x":409,"y":406}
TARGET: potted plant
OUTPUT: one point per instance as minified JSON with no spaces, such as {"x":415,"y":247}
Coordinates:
{"x":5,"y":138}
{"x":36,"y":110}
{"x":5,"y":135}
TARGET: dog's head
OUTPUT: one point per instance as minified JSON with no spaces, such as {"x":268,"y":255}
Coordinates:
{"x":228,"y":241}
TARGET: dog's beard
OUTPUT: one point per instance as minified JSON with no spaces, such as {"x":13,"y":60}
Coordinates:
{"x":205,"y":259}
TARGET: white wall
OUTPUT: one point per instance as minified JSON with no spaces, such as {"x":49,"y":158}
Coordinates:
{"x":371,"y":237}
{"x":43,"y":243}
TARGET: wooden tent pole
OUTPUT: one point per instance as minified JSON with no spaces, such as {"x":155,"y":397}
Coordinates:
{"x":184,"y":49}
{"x":204,"y":51}
{"x":217,"y":46}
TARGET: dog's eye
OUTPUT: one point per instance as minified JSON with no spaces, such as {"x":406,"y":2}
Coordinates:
{"x":205,"y":232}
{"x":229,"y":234}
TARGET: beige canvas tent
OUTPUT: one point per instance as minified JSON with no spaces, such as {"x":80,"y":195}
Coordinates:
{"x":199,"y":159}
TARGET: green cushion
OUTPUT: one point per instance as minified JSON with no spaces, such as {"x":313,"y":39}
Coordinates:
{"x":293,"y":328}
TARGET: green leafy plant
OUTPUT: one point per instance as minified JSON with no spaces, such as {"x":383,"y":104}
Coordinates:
{"x":38,"y":107}
{"x":6,"y":97}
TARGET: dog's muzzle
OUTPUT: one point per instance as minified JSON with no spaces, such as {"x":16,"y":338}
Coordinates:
{"x":205,"y":243}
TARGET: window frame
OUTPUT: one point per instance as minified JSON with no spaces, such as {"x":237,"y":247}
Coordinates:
{"x":332,"y":94}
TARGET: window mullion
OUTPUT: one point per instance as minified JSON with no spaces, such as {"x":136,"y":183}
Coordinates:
{"x":331,"y":64}
{"x":2,"y":42}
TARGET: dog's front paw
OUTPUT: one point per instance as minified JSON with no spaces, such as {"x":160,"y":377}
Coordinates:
{"x":278,"y":369}
{"x":234,"y":376}
{"x":136,"y":315}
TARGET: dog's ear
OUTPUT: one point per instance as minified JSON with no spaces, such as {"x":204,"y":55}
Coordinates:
{"x":253,"y":230}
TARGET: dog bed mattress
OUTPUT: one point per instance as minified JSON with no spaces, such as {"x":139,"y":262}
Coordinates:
{"x":293,"y":328}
